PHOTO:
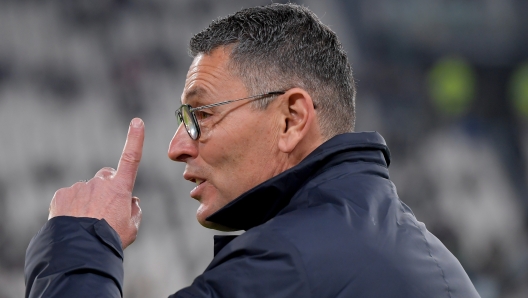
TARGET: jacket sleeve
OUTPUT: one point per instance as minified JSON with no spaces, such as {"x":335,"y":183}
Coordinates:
{"x":74,"y":257}
{"x":256,"y":264}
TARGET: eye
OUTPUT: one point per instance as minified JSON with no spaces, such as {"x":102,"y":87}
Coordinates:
{"x":202,"y":115}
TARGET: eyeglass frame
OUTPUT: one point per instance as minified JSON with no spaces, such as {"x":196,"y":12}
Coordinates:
{"x":194,"y":120}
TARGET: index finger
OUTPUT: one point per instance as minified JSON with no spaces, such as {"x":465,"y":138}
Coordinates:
{"x":131,"y":156}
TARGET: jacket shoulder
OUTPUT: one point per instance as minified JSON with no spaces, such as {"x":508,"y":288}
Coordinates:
{"x":354,"y":234}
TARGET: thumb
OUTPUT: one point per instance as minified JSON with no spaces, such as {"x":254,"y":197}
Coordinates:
{"x":136,"y":213}
{"x":135,"y":220}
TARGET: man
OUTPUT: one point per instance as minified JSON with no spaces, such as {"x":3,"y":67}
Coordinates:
{"x":267,"y":114}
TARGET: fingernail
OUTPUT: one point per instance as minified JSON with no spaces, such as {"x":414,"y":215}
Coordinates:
{"x":136,"y":122}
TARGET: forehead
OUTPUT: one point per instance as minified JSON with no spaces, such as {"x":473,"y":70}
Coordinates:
{"x":209,"y":77}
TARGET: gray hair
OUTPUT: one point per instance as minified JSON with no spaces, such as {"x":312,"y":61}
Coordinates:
{"x":281,"y":46}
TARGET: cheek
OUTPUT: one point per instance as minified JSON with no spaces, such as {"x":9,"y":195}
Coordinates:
{"x":240,"y":156}
{"x":223,"y":158}
{"x":227,"y":144}
{"x":220,"y":153}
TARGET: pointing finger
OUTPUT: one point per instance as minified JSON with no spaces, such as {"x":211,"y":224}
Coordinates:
{"x":129,"y":162}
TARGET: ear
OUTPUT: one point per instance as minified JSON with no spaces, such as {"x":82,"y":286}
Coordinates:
{"x":298,"y":116}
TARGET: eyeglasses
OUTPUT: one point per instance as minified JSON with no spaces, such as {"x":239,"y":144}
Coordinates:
{"x":187,"y":115}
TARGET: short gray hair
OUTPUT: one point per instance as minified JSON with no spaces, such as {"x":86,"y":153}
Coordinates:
{"x":281,"y":46}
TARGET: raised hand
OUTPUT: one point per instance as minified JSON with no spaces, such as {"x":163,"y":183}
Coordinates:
{"x":108,"y":194}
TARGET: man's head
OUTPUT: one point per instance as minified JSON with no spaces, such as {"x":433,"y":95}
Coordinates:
{"x":244,"y":143}
{"x":281,"y":46}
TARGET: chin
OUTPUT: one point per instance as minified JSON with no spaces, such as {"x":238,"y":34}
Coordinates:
{"x":201,"y":215}
{"x":215,"y":226}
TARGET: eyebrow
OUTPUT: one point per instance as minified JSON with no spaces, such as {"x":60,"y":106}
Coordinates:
{"x":193,"y":93}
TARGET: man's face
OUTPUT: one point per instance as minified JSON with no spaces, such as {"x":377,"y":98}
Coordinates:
{"x":237,"y":149}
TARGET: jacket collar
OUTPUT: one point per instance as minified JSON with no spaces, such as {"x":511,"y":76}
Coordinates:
{"x":267,"y":199}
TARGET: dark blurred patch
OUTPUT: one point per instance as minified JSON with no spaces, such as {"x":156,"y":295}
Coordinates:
{"x":160,"y":58}
{"x":6,"y":70}
{"x":127,"y":75}
{"x":495,"y":264}
{"x":62,"y":84}
{"x":101,"y":13}
{"x":200,"y":7}
{"x":4,"y":242}
{"x":47,"y":173}
{"x":11,"y":256}
{"x":448,"y":237}
{"x":90,"y":12}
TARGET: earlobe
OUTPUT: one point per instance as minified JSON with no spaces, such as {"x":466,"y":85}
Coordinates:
{"x":298,"y":116}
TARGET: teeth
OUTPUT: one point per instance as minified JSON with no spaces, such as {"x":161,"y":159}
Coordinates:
{"x":199,"y":181}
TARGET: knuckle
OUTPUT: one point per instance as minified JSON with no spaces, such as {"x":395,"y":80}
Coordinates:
{"x":105,"y":172}
{"x":61,"y":192}
{"x":60,"y":197}
{"x":108,"y":170}
{"x":130,"y":157}
{"x":77,"y":185}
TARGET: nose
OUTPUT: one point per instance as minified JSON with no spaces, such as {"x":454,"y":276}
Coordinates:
{"x":182,"y":147}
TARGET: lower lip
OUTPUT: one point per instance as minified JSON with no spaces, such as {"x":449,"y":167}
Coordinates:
{"x":196,"y":192}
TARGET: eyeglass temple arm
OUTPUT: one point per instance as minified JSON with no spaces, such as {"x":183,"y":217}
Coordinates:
{"x":234,"y":100}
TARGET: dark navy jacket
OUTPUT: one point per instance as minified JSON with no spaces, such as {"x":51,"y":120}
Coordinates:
{"x":332,"y":226}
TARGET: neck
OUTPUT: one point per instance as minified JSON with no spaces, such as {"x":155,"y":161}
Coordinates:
{"x":308,"y":144}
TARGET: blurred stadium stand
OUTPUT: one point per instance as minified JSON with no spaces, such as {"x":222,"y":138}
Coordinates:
{"x":444,"y":81}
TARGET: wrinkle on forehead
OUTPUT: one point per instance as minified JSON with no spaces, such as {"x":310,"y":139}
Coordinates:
{"x":190,"y":94}
{"x":214,"y":63}
{"x":203,"y":77}
{"x":207,"y":77}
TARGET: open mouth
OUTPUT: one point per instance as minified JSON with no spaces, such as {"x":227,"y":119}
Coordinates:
{"x":198,"y":181}
{"x":197,"y":191}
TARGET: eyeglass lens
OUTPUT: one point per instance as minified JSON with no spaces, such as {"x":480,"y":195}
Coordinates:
{"x":188,"y":121}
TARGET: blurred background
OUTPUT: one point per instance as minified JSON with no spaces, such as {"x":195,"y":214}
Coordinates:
{"x":444,"y":81}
